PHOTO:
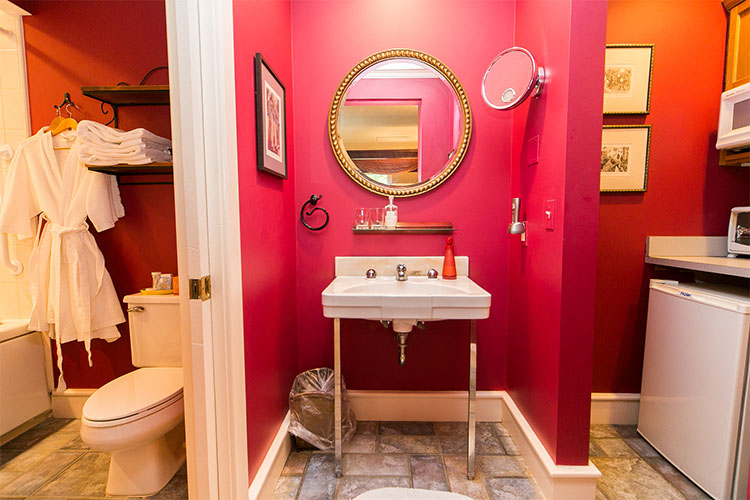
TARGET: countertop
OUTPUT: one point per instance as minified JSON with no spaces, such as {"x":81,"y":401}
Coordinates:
{"x":697,"y":253}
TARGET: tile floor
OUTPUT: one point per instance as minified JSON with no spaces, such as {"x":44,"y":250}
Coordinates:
{"x":51,"y":462}
{"x":433,"y":456}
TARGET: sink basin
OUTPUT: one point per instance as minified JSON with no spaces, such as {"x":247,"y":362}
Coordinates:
{"x":418,"y":298}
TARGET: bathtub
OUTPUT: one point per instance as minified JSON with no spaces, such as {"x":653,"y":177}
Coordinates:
{"x":24,"y":374}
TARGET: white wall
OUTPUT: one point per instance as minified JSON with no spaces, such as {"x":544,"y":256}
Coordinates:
{"x":15,"y":299}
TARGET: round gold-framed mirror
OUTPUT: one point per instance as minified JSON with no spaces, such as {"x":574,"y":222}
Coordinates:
{"x":400,"y":123}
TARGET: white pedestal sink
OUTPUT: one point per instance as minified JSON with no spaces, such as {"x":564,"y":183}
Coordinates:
{"x":404,"y":303}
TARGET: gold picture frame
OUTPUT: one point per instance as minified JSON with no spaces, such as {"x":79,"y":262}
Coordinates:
{"x":625,"y":156}
{"x":628,"y":70}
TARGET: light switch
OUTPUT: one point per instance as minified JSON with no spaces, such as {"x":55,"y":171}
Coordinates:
{"x":549,"y":215}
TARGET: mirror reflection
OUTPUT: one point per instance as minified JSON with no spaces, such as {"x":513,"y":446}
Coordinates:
{"x":400,"y":123}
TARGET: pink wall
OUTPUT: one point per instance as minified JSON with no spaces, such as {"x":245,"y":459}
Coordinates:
{"x":552,"y":280}
{"x":267,"y":215}
{"x":436,"y":114}
{"x":688,"y":193}
{"x":119,"y":43}
{"x":322,"y":56}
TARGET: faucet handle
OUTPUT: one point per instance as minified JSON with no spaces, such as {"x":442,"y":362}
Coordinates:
{"x":432,"y":274}
{"x":371,"y":274}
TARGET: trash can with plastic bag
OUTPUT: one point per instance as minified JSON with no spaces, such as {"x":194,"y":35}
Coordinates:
{"x":311,"y":404}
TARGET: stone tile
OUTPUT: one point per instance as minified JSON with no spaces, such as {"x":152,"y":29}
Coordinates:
{"x":626,"y":431}
{"x":37,"y":433}
{"x":600,"y":495}
{"x":487,"y":442}
{"x":603,"y":431}
{"x":7,"y":476}
{"x":87,"y":477}
{"x":409,"y":444}
{"x":594,"y":450}
{"x":512,"y":488}
{"x":319,"y":482}
{"x":176,"y":489}
{"x":453,"y":437}
{"x":642,"y":447}
{"x":374,"y":464}
{"x":675,"y":477}
{"x":615,"y":447}
{"x":76,"y":443}
{"x":407,"y":428}
{"x":509,"y":445}
{"x":367,"y":428}
{"x":286,"y":488}
{"x":361,"y":443}
{"x":428,"y":472}
{"x":633,"y":478}
{"x":455,"y":468}
{"x":295,"y":464}
{"x":502,"y":466}
{"x":500,"y":429}
{"x":8,"y":455}
{"x":351,"y":487}
{"x":44,"y":468}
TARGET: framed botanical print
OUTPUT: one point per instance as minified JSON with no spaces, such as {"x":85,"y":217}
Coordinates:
{"x":270,"y":120}
{"x":627,"y":79}
{"x":625,"y":151}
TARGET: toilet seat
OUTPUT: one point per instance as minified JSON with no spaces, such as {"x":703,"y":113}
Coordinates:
{"x":133,"y":396}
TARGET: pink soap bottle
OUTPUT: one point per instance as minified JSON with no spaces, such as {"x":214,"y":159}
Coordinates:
{"x":449,"y":262}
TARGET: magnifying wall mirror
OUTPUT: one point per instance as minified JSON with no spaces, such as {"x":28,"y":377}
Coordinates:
{"x":512,"y":76}
{"x":399,"y":123}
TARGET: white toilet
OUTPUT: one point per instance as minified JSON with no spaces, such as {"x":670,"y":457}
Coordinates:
{"x":139,"y":416}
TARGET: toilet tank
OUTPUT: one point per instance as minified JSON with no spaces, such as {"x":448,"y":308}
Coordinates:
{"x":154,"y":322}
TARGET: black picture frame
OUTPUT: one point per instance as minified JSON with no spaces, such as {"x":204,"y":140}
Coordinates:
{"x":270,"y":120}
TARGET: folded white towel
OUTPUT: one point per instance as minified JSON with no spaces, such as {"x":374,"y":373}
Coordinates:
{"x":108,"y":134}
{"x":147,"y":156}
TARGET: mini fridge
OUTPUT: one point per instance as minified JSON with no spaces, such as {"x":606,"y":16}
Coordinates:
{"x":694,"y":402}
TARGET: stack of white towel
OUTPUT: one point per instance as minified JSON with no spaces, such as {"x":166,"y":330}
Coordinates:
{"x":102,"y":145}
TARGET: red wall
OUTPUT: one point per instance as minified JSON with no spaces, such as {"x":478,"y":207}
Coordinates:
{"x":322,"y":56}
{"x":688,"y":193}
{"x":89,"y":43}
{"x":552,"y":280}
{"x":267,"y":216}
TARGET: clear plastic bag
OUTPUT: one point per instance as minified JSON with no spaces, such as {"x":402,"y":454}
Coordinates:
{"x":311,"y":404}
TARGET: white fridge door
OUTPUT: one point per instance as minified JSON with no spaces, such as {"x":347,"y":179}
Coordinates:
{"x":693,"y":382}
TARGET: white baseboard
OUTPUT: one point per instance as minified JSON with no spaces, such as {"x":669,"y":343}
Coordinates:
{"x":615,"y":408}
{"x":69,"y":403}
{"x":262,"y":486}
{"x":557,"y":482}
{"x":424,"y":406}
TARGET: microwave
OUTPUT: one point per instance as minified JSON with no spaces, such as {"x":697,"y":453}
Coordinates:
{"x":734,"y":118}
{"x":738,"y":242}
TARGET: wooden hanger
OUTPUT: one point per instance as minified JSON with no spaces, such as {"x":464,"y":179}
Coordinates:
{"x":63,"y":125}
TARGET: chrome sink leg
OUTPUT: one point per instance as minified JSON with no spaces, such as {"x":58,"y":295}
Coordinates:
{"x":337,"y":393}
{"x":472,"y":399}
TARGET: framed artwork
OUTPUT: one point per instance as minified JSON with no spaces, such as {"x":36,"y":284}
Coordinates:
{"x":270,"y":120}
{"x":627,"y":79}
{"x":625,"y":151}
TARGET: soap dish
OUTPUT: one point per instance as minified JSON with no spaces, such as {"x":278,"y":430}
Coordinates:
{"x":156,"y":291}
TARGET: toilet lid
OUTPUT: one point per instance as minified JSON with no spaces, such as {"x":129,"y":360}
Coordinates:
{"x":134,"y":393}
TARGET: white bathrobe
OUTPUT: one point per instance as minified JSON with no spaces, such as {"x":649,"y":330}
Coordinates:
{"x":51,"y":194}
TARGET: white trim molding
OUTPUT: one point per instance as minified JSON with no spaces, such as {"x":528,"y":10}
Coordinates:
{"x":557,"y":482}
{"x":615,"y":408}
{"x":424,"y":406}
{"x":270,"y":469}
{"x":69,"y":403}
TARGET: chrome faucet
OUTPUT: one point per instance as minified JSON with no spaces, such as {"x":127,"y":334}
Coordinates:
{"x":401,"y":273}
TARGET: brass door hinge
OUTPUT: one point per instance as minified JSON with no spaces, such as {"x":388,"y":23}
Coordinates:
{"x":200,"y":288}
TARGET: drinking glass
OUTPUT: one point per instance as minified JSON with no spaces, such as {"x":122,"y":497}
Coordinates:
{"x":361,"y":218}
{"x":376,"y":218}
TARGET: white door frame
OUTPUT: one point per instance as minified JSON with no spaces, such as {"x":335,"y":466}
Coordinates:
{"x":204,"y":136}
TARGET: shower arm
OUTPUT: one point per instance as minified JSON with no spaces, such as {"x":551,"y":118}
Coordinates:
{"x":14,"y":266}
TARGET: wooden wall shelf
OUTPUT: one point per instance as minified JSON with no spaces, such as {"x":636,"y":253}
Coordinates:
{"x":129,"y":95}
{"x":124,"y":169}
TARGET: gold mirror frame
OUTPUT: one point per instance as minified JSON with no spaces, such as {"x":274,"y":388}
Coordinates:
{"x":339,"y":150}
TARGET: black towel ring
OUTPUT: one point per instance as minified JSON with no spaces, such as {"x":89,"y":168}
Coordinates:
{"x":312,"y":201}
